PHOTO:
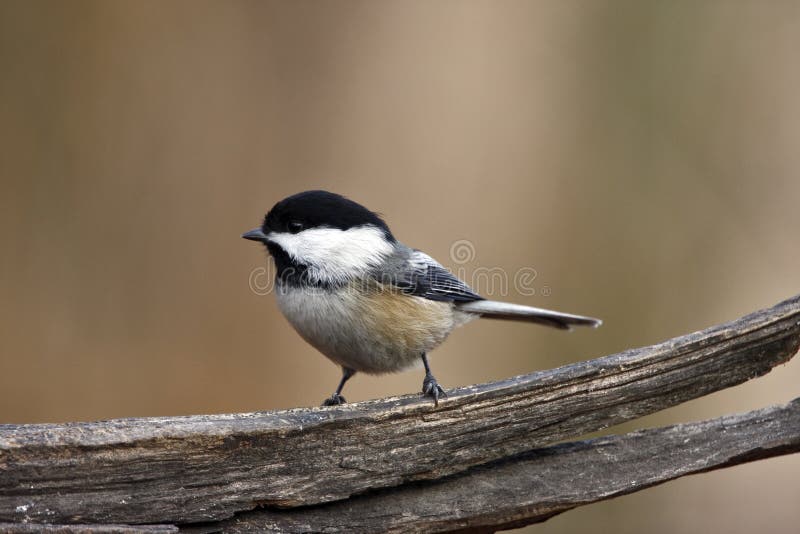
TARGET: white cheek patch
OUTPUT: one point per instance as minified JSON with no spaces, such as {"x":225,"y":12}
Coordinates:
{"x":334,"y":255}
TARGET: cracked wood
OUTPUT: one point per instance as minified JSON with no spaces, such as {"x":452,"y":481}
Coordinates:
{"x":205,"y":468}
{"x":528,"y":488}
{"x":535,"y":486}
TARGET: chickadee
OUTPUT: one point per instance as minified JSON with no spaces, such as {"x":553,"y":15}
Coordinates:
{"x":363,"y":299}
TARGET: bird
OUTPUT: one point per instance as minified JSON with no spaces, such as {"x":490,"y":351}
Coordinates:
{"x":365,"y":300}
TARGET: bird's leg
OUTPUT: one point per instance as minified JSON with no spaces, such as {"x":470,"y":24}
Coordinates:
{"x":430,"y":386}
{"x":336,"y":398}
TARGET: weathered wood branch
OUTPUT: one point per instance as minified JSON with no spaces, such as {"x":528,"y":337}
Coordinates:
{"x":528,"y":488}
{"x":535,"y":486}
{"x":206,"y":468}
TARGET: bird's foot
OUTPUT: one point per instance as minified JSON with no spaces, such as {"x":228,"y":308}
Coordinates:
{"x":334,"y":400}
{"x":431,"y":388}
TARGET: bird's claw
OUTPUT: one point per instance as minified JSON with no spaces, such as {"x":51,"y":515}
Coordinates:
{"x":431,"y":388}
{"x":334,"y":400}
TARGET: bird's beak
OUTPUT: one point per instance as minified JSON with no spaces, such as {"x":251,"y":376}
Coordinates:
{"x":256,"y":234}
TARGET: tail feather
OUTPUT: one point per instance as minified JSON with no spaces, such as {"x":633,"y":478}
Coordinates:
{"x":493,"y":309}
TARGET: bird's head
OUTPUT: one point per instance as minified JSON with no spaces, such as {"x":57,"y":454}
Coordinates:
{"x":326,"y":236}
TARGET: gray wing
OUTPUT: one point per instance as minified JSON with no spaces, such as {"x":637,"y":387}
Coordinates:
{"x":416,"y":273}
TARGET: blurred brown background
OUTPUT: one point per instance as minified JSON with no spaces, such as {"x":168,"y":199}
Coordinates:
{"x":642,"y":157}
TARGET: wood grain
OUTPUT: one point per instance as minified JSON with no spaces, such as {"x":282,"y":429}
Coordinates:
{"x":529,"y":488}
{"x":206,"y":468}
{"x":535,"y":486}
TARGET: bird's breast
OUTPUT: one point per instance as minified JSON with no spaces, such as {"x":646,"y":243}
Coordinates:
{"x":367,"y":326}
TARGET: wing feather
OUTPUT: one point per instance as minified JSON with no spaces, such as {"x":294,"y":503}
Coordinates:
{"x":425,"y":277}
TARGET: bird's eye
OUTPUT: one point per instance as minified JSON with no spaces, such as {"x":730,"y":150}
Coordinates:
{"x":295,"y":226}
